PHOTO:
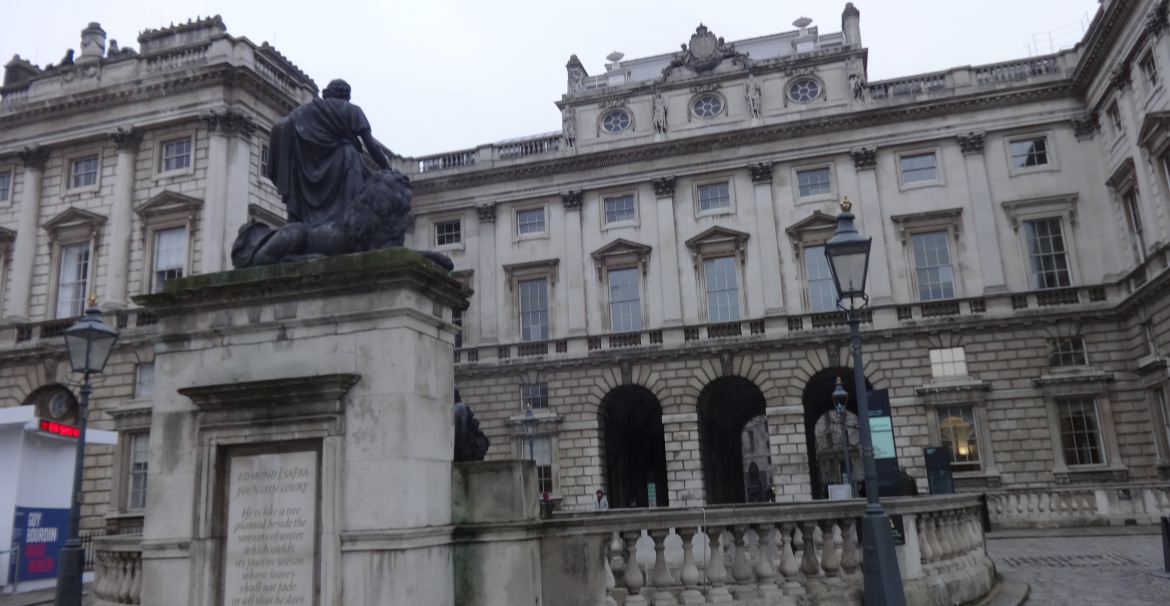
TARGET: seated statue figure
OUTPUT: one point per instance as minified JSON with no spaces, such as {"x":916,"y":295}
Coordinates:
{"x":337,"y":204}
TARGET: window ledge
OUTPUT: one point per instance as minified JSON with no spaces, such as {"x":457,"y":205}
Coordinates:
{"x":1151,"y":363}
{"x":1073,"y":377}
{"x":957,"y":384}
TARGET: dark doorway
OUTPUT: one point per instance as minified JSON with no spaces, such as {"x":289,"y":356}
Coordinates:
{"x":726,"y":408}
{"x":818,"y":399}
{"x":635,"y":448}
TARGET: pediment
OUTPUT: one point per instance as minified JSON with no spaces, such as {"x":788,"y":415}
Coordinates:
{"x":1154,"y":134}
{"x":716,"y":235}
{"x":621,"y":253}
{"x":7,"y":236}
{"x":818,"y":221}
{"x":168,"y":202}
{"x":75,"y":217}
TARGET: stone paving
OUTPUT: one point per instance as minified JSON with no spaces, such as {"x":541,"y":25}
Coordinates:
{"x":1088,"y":568}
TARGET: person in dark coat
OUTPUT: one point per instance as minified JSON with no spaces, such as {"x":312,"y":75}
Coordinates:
{"x":315,"y":156}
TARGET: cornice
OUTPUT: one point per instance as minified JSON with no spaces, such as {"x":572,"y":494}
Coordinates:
{"x":1103,"y":36}
{"x":739,"y":138}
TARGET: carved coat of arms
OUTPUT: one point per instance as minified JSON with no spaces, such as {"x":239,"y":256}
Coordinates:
{"x":704,"y":53}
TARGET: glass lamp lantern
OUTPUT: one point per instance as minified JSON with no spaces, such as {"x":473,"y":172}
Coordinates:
{"x":848,"y":255}
{"x":90,"y":342}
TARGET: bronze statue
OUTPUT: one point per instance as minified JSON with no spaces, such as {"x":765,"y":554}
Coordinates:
{"x":337,"y":204}
{"x":471,"y":443}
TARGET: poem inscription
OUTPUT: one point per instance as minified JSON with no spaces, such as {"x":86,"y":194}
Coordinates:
{"x":271,"y":530}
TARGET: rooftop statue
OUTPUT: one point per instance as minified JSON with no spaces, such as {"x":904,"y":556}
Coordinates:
{"x":337,"y":204}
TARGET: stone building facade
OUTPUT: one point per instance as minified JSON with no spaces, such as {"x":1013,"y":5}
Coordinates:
{"x":649,"y":280}
{"x":122,"y":168}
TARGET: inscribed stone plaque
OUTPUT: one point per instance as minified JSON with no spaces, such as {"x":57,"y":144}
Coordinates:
{"x":271,"y":530}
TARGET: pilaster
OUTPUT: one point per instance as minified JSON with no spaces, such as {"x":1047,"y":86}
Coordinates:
{"x":870,"y":205}
{"x":488,"y":304}
{"x":575,"y":285}
{"x":126,"y":140}
{"x":668,"y":248}
{"x":769,"y":253}
{"x":989,"y":258}
{"x":24,"y":251}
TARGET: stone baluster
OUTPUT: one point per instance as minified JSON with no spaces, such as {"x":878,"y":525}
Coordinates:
{"x":610,"y":582}
{"x":127,"y":577}
{"x":926,"y":554}
{"x":932,"y":534}
{"x":829,"y":560}
{"x":716,"y":572}
{"x":849,"y":561}
{"x":764,"y":569}
{"x":689,"y":575}
{"x":633,"y":577}
{"x":957,"y":543}
{"x":617,"y":563}
{"x":101,"y":576}
{"x":789,"y":566}
{"x":808,"y":563}
{"x":136,"y":586}
{"x":965,"y":530}
{"x":741,"y":568}
{"x":944,"y":536}
{"x":661,"y":576}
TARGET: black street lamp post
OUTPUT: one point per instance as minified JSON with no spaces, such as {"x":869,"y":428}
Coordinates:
{"x":89,"y":343}
{"x":848,"y":256}
{"x":840,"y":397}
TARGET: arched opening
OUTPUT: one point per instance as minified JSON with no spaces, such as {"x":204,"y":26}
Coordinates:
{"x":818,"y":400}
{"x":635,"y":448}
{"x":733,"y":438}
{"x":832,"y":442}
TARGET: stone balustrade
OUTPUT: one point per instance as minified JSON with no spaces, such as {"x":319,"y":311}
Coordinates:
{"x":117,"y":577}
{"x":1117,"y":504}
{"x":762,"y":554}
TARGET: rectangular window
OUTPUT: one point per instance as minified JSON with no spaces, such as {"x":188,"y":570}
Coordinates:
{"x":1149,"y":69}
{"x":722,"y":289}
{"x":1080,"y":433}
{"x":813,"y":182}
{"x":139,"y":457}
{"x":176,"y":155}
{"x":264,"y":160}
{"x":1158,"y":399}
{"x":1151,"y":338}
{"x":83,"y":172}
{"x":619,"y":209}
{"x":448,"y":232}
{"x":457,"y":320}
{"x":540,"y":451}
{"x":1047,"y":254}
{"x":932,"y":266}
{"x":534,"y":310}
{"x":5,"y":187}
{"x":1068,"y":351}
{"x":530,"y":221}
{"x":822,"y":294}
{"x":949,"y":362}
{"x":534,"y":396}
{"x":957,"y":428}
{"x":72,"y":280}
{"x":170,"y":256}
{"x":1114,"y":115}
{"x":1029,"y":152}
{"x":1133,"y":218}
{"x":144,"y":380}
{"x":919,"y":167}
{"x":714,"y":196}
{"x":625,"y":306}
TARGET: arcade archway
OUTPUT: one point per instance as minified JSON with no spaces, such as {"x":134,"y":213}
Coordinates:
{"x":733,"y":438}
{"x":818,"y":400}
{"x":635,"y":448}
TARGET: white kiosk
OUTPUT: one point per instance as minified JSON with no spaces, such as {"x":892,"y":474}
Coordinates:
{"x":36,"y":477}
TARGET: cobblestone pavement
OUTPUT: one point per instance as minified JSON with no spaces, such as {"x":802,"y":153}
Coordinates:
{"x":1086,"y":569}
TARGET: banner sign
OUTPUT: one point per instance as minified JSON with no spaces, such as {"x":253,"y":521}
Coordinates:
{"x":40,"y":533}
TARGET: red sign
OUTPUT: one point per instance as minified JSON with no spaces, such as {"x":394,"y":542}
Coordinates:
{"x":57,"y":428}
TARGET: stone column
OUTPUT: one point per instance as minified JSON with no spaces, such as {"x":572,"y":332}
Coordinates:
{"x":575,"y":257}
{"x":983,"y":214}
{"x":127,"y":141}
{"x":225,"y":206}
{"x":767,"y":243}
{"x":870,"y":205}
{"x":24,"y":252}
{"x":487,"y":285}
{"x":668,"y":249}
{"x":214,"y":196}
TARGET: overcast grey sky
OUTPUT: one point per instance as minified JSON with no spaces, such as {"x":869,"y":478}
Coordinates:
{"x":437,"y":76}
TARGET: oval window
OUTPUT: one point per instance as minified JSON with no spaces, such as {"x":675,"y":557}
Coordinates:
{"x":804,"y":90}
{"x":707,"y":106}
{"x":615,"y":121}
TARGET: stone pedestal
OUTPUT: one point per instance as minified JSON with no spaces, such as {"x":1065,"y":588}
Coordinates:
{"x":302,"y":435}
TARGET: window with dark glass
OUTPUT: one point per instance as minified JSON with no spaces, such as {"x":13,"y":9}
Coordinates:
{"x":625,"y":306}
{"x":932,"y":266}
{"x":530,"y":221}
{"x":176,"y":155}
{"x":919,"y":167}
{"x":714,"y":196}
{"x":1080,"y":433}
{"x":722,"y":289}
{"x":449,"y":232}
{"x":822,"y":295}
{"x":534,"y":310}
{"x":1047,"y":255}
{"x":619,"y":208}
{"x":139,"y":458}
{"x":72,"y":280}
{"x":534,"y":395}
{"x":5,"y":187}
{"x":1133,"y":220}
{"x":957,"y":428}
{"x":1067,"y":351}
{"x":707,"y":106}
{"x":1149,"y":69}
{"x":1029,"y":152}
{"x":170,"y":256}
{"x":814,"y":182}
{"x":83,"y":172}
{"x":615,"y":121}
